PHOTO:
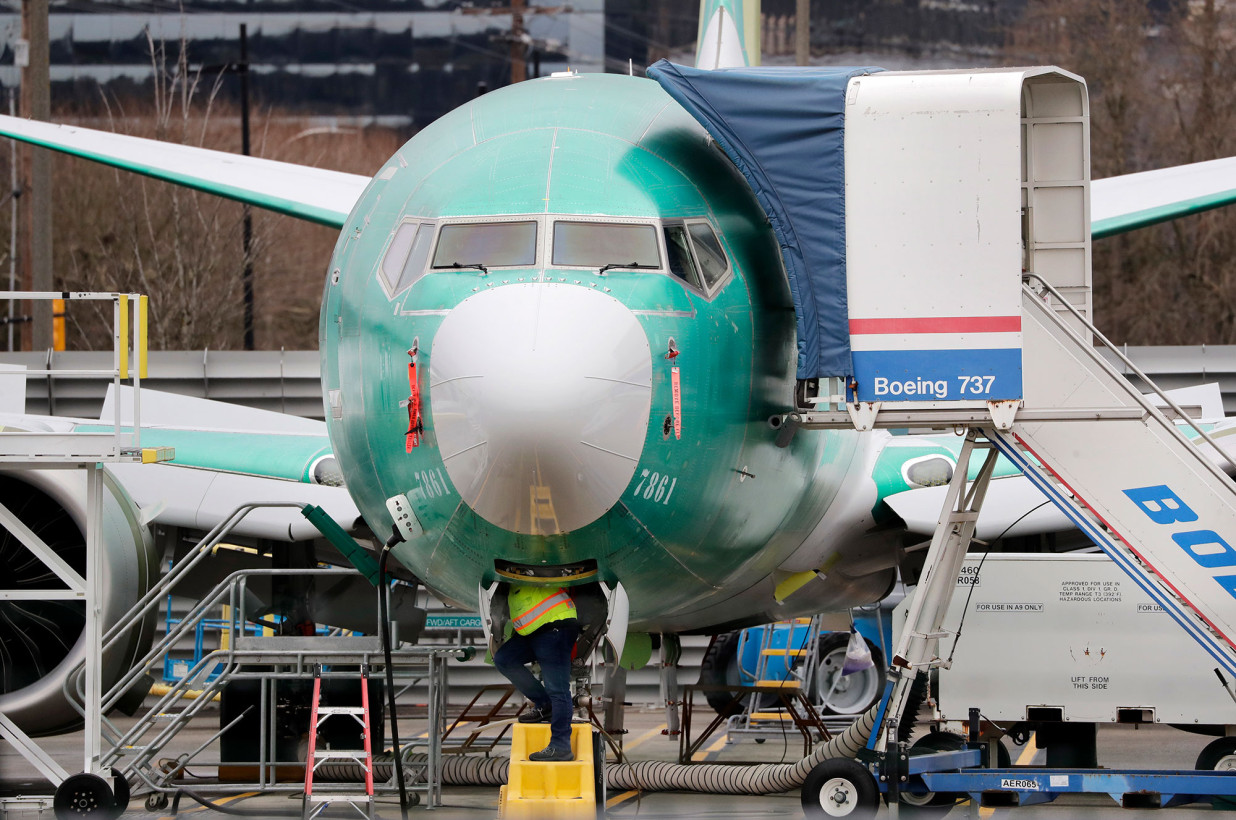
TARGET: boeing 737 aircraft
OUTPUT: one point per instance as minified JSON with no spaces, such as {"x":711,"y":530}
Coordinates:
{"x":554,"y":327}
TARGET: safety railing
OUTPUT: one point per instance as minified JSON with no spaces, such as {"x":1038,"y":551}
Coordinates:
{"x":55,"y":441}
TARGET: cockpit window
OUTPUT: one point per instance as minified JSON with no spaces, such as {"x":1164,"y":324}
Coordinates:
{"x":395,"y":267}
{"x":605,"y":244}
{"x":681,"y":263}
{"x":492,"y":244}
{"x":414,"y":266}
{"x":712,"y":260}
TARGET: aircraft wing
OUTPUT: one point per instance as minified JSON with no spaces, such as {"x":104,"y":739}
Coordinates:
{"x":226,"y":456}
{"x":1117,"y":204}
{"x":1132,"y":201}
{"x":314,"y":194}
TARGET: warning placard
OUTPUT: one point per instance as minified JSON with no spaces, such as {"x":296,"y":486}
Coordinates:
{"x":1007,"y":606}
{"x":1090,"y":592}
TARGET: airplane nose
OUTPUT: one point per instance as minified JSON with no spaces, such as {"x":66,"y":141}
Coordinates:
{"x":540,"y":396}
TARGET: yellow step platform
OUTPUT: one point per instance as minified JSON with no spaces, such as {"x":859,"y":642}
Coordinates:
{"x":548,"y":791}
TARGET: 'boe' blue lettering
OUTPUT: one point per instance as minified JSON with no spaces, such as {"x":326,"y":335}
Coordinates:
{"x":1161,"y":505}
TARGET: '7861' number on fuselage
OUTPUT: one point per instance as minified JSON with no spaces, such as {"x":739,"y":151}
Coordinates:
{"x":655,"y":487}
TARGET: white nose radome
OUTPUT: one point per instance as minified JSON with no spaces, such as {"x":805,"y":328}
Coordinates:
{"x":540,"y":396}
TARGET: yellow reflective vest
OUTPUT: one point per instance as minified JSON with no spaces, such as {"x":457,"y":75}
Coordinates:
{"x":532,"y":607}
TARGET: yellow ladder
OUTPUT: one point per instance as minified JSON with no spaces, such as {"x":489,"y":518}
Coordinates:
{"x":549,"y":791}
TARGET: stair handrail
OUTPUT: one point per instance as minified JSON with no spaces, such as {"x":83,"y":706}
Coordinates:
{"x":133,"y":619}
{"x":1086,"y":323}
{"x":157,"y":590}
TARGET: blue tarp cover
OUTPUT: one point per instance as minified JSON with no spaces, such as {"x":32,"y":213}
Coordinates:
{"x":784,"y":128}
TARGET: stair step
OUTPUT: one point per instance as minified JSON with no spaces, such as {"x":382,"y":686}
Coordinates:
{"x":771,"y":716}
{"x":341,"y":710}
{"x":338,"y":797}
{"x":341,"y":754}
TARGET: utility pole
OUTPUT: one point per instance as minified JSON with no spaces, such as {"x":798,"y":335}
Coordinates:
{"x":241,"y":68}
{"x":519,"y":69}
{"x":35,"y":247}
{"x":802,"y":33}
{"x":247,"y":236}
{"x":518,"y":40}
{"x":658,"y":45}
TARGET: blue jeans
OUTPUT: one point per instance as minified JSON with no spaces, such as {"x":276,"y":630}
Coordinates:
{"x":550,"y":646}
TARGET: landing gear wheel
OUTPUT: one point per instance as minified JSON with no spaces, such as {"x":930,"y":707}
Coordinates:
{"x":720,"y":668}
{"x":840,"y":788}
{"x":852,"y":694}
{"x":598,"y":773}
{"x":1219,"y":756}
{"x":84,"y":797}
{"x":156,"y":802}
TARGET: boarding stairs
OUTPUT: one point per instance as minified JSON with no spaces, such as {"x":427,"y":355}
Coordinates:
{"x":1153,"y":500}
{"x":1159,"y":504}
{"x":1133,"y":482}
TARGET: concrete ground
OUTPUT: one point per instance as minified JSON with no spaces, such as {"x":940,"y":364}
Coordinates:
{"x":1119,"y":747}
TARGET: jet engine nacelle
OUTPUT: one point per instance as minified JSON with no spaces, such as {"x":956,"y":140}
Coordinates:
{"x":41,"y":640}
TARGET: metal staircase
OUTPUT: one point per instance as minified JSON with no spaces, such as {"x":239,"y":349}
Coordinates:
{"x":787,"y":664}
{"x":1134,"y":484}
{"x":1124,"y":472}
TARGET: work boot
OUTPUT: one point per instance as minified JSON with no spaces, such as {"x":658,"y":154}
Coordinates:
{"x":536,"y":715}
{"x":553,"y":754}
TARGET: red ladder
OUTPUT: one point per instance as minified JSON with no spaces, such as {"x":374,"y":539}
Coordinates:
{"x":314,"y":804}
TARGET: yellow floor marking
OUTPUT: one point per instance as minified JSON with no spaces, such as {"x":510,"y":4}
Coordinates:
{"x":1024,"y":759}
{"x":1027,"y":754}
{"x":984,"y":811}
{"x":219,"y":802}
{"x":650,"y":733}
{"x":715,"y":747}
{"x":620,"y":798}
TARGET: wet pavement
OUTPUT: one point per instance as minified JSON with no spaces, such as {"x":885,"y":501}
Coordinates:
{"x":1119,"y":747}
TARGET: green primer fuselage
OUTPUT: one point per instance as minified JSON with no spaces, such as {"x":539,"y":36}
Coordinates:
{"x":707,"y":516}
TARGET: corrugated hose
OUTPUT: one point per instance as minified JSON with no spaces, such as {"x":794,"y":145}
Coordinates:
{"x":645,"y":775}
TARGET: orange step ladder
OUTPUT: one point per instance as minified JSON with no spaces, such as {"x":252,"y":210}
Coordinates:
{"x":315,"y":804}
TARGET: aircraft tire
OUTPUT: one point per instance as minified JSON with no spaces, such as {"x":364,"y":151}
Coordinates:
{"x":720,"y":668}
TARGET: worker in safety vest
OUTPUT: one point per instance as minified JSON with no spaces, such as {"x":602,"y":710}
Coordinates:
{"x":545,"y":631}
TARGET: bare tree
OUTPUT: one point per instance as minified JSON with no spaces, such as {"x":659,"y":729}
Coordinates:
{"x":1158,"y":87}
{"x":118,"y":231}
